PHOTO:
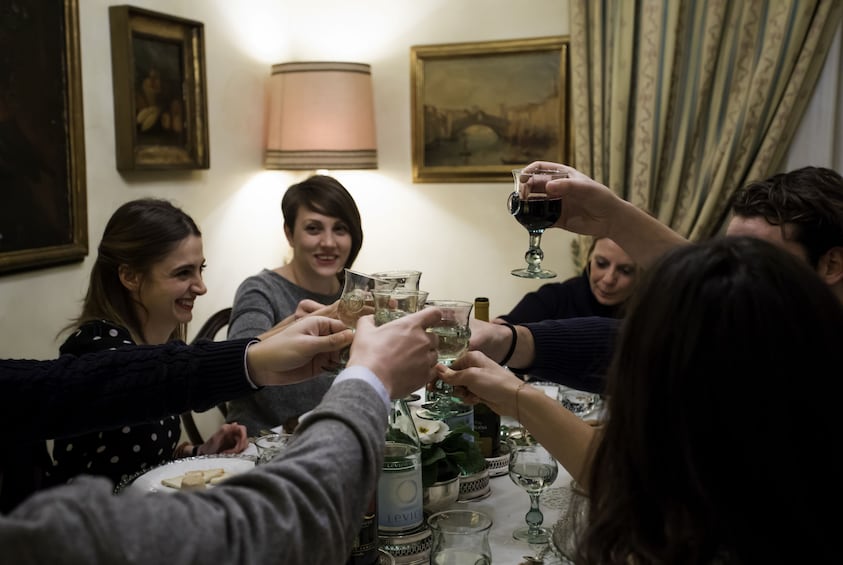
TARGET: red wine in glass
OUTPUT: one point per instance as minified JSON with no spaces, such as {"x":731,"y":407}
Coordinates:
{"x":537,"y":212}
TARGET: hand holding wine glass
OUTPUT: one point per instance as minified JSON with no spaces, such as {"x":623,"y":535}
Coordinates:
{"x":454,"y":333}
{"x":534,"y":209}
{"x":534,"y":469}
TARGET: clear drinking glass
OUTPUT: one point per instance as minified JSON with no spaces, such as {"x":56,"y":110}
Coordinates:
{"x":357,"y":301}
{"x":269,"y":446}
{"x":536,"y":211}
{"x":402,"y":279}
{"x":454,"y":333}
{"x":397,"y":303}
{"x":460,"y":537}
{"x":532,"y":468}
{"x":579,"y":402}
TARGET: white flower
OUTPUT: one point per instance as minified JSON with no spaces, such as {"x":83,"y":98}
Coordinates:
{"x":432,"y":431}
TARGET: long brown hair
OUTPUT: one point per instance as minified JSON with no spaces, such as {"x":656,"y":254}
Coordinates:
{"x":708,"y":454}
{"x":139,"y":234}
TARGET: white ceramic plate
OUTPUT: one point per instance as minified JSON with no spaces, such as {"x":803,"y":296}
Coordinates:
{"x":150,"y":480}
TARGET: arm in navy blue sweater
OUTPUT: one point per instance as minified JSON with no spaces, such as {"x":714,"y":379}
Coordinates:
{"x":574,"y":352}
{"x":72,"y":395}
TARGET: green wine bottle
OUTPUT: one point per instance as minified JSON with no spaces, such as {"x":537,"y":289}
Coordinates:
{"x":487,"y":423}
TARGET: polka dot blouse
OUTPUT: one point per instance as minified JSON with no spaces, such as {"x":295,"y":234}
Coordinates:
{"x":120,"y":452}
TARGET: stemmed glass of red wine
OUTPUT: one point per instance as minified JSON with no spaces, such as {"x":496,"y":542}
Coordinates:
{"x":536,"y":211}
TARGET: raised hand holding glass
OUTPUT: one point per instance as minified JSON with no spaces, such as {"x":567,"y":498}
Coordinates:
{"x":454,"y":333}
{"x":536,"y":211}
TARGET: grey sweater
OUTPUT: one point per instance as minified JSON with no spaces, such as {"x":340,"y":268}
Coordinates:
{"x":262,"y":301}
{"x":303,"y":508}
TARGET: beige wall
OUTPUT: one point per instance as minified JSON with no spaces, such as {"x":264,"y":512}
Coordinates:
{"x":458,"y":235}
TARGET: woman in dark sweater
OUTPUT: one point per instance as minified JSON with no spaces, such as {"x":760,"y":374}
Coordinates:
{"x":601,"y":290}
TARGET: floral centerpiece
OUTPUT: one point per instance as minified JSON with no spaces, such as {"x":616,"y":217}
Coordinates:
{"x":447,"y":452}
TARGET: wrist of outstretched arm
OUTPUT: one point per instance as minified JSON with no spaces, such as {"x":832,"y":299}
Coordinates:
{"x":523,"y":352}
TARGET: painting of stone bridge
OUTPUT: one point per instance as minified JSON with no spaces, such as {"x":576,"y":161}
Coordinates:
{"x":483,"y":109}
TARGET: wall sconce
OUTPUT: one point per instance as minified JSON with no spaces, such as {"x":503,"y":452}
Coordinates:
{"x":321,"y":116}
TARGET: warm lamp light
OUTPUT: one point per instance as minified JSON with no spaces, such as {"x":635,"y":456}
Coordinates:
{"x":321,"y":116}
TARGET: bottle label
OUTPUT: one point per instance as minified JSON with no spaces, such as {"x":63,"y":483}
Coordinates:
{"x":400,"y":489}
{"x":487,"y":424}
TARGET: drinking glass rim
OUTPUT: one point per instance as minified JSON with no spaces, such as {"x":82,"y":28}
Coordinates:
{"x":540,"y":172}
{"x":487,"y":521}
{"x":442,"y":303}
{"x":367,"y":275}
{"x":396,"y":273}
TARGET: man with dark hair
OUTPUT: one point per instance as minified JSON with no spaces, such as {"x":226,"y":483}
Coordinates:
{"x":800,"y":211}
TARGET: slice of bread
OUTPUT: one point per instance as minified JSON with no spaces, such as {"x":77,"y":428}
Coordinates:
{"x":195,"y":479}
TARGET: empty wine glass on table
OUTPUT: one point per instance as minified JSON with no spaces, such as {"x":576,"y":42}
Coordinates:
{"x":536,"y":211}
{"x":460,"y":537}
{"x":534,"y":469}
{"x":454,"y":332}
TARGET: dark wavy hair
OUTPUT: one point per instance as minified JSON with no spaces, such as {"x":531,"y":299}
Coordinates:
{"x":810,"y":198}
{"x":325,"y":195}
{"x":718,"y":446}
{"x":139,"y":234}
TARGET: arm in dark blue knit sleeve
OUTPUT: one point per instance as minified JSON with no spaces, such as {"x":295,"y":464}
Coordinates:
{"x":72,"y":395}
{"x":574,"y":352}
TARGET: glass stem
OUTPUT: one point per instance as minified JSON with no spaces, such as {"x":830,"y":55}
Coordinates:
{"x":534,"y":254}
{"x":534,"y":516}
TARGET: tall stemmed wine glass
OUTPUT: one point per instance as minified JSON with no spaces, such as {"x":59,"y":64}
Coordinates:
{"x":534,"y":469}
{"x":356,"y":300}
{"x":454,"y":332}
{"x":536,"y":211}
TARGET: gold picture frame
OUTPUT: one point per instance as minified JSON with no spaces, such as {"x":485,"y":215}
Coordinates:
{"x":160,"y":90}
{"x":43,"y":207}
{"x":481,"y":109}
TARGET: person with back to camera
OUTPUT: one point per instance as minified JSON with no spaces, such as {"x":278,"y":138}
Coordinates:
{"x":324,"y":231}
{"x":800,"y":211}
{"x":602,"y":289}
{"x":316,"y":490}
{"x":707,"y":454}
{"x":146,"y":277}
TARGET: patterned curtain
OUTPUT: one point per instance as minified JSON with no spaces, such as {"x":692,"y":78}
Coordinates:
{"x":677,"y":103}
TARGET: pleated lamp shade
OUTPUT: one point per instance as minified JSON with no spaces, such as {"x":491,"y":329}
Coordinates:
{"x":321,"y":116}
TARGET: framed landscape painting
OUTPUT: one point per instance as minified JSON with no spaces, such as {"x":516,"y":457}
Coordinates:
{"x":481,"y":109}
{"x":43,"y":214}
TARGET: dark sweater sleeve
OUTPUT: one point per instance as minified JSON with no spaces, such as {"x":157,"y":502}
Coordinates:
{"x":72,"y":395}
{"x":574,"y":352}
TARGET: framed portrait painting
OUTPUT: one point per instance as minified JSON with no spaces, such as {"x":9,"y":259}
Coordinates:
{"x":481,"y":109}
{"x":43,"y":216}
{"x":160,"y":90}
